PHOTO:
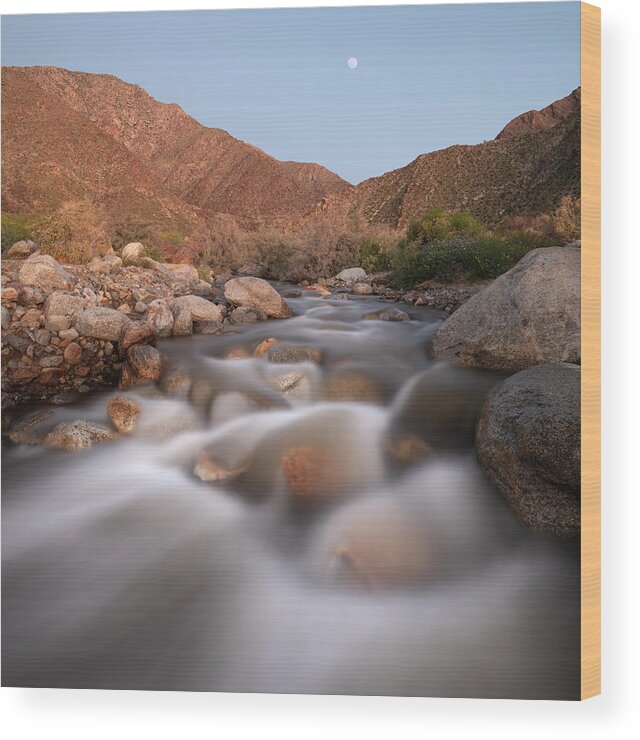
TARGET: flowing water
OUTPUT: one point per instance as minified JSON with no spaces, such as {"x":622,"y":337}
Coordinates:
{"x":350,"y":544}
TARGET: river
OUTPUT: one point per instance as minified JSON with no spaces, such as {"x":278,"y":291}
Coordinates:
{"x":353,"y":546}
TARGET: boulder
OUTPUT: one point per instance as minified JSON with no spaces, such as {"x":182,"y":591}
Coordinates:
{"x":135,"y":332}
{"x":376,"y":545}
{"x":177,"y":273}
{"x":362,"y":289}
{"x":42,"y":271}
{"x":352,"y":386}
{"x":207,"y":468}
{"x":258,"y":294}
{"x":133,"y":251}
{"x":32,"y":429}
{"x":123,"y":413}
{"x":292,"y":354}
{"x":160,"y":317}
{"x":528,"y":441}
{"x":102,"y":323}
{"x":388,"y":314}
{"x":30,"y":296}
{"x":351,"y":274}
{"x":528,"y":316}
{"x":72,"y":353}
{"x":77,"y":435}
{"x":202,"y":326}
{"x":61,"y":304}
{"x":441,"y":406}
{"x":105,"y":264}
{"x":6,"y":318}
{"x":244,"y":315}
{"x":265,"y":345}
{"x":182,"y":321}
{"x":21,"y":250}
{"x":146,"y":361}
{"x":199,"y":308}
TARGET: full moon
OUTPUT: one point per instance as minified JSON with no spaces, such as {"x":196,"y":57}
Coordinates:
{"x":352,"y":62}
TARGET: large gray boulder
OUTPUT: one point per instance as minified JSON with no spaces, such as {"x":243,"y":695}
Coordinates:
{"x":528,"y":316}
{"x":528,"y":441}
{"x":257,"y":294}
{"x":200,"y":308}
{"x":351,"y":274}
{"x":60,"y":304}
{"x":42,"y":271}
{"x":102,"y":323}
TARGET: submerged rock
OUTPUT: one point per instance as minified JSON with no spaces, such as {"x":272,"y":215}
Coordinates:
{"x":265,"y":346}
{"x":208,"y":469}
{"x":31,"y":429}
{"x":377,"y":545}
{"x":528,"y":441}
{"x":388,"y":314}
{"x":77,"y":435}
{"x":352,"y":386}
{"x":362,"y":289}
{"x":145,"y":361}
{"x":440,"y":406}
{"x":124,"y":414}
{"x":293,"y":354}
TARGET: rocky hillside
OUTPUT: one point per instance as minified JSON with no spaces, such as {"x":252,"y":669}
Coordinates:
{"x":72,"y":134}
{"x":540,"y":120}
{"x":532,"y":164}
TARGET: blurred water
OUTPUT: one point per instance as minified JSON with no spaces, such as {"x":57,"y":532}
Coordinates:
{"x":354,"y":548}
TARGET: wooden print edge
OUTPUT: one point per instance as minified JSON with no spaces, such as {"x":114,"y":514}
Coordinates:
{"x":590,"y":383}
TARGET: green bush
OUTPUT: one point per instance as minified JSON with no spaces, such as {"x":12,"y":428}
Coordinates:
{"x":15,"y":228}
{"x":374,"y":256}
{"x":456,"y":247}
{"x":437,"y":225}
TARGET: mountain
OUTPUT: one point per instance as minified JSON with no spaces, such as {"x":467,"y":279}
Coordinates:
{"x":539,"y":120}
{"x":74,"y":134}
{"x":531,"y":165}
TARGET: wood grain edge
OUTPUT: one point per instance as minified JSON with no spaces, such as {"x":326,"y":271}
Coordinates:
{"x":590,"y":383}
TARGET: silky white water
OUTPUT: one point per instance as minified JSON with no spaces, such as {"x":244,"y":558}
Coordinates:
{"x":122,"y":569}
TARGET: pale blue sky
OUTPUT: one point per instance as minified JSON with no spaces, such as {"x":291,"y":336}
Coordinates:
{"x":428,"y":76}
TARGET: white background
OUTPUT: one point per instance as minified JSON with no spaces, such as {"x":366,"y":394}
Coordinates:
{"x":53,"y":714}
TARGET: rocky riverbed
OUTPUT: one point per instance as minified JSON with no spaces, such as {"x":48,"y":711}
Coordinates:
{"x":289,"y":478}
{"x":67,"y":329}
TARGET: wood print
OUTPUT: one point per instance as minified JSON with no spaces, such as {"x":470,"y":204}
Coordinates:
{"x":300,"y":350}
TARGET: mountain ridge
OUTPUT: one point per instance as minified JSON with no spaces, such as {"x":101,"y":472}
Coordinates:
{"x":72,"y":135}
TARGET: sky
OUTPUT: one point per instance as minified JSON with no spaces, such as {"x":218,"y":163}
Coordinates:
{"x":427,"y":76}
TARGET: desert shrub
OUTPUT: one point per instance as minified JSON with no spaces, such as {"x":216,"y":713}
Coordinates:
{"x":74,"y":234}
{"x":374,"y":256}
{"x":150,"y":253}
{"x":437,"y":225}
{"x":174,"y":238}
{"x":15,"y":227}
{"x":126,"y":229}
{"x":566,"y":219}
{"x":457,"y":247}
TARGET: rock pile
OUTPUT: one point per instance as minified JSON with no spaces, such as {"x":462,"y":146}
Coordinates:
{"x":74,"y":327}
